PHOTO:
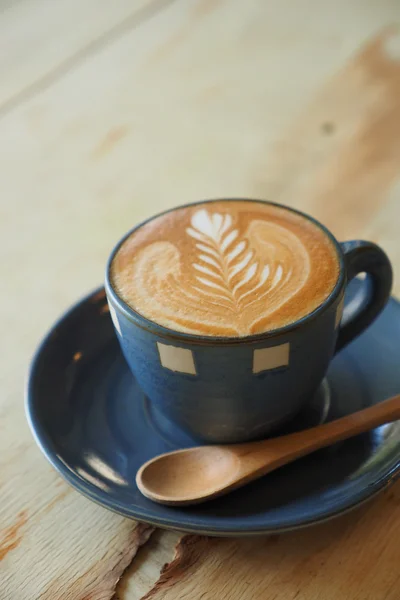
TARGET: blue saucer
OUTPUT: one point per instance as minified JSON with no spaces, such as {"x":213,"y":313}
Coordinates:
{"x":95,"y":426}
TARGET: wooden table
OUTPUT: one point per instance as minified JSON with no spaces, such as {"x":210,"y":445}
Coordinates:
{"x":111,"y":111}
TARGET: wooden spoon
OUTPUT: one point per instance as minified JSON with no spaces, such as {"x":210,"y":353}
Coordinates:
{"x":198,"y":474}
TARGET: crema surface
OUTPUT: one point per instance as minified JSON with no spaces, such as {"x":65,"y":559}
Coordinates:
{"x":226,"y":268}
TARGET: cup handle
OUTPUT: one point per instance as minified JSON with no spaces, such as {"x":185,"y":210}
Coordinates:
{"x":369,"y":301}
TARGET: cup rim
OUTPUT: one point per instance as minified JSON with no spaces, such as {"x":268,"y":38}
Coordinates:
{"x":160,"y":330}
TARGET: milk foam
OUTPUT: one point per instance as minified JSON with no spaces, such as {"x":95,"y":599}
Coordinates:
{"x":226,"y":268}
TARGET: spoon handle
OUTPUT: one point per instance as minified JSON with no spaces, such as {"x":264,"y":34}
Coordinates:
{"x":270,"y":454}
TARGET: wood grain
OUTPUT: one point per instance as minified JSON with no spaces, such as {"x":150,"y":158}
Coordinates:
{"x":341,"y":155}
{"x":144,"y":571}
{"x":80,"y":550}
{"x":348,"y":558}
{"x":112,"y":112}
{"x":57,"y":37}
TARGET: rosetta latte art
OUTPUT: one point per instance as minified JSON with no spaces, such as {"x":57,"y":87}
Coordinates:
{"x":236,"y":274}
{"x":219,"y":277}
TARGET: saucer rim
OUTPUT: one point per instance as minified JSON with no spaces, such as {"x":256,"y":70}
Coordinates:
{"x":101,"y":497}
{"x":220,"y":532}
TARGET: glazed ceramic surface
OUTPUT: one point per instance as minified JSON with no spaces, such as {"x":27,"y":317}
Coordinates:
{"x":243,"y":388}
{"x":96,"y":427}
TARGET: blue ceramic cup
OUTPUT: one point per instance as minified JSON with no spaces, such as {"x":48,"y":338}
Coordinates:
{"x":224,"y":389}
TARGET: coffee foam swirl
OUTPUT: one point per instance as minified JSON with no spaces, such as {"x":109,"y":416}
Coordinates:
{"x":226,"y":269}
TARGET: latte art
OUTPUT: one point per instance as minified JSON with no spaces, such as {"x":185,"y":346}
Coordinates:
{"x":234,"y":273}
{"x":225,"y":268}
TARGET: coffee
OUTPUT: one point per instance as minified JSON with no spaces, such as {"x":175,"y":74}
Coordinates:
{"x":226,"y":268}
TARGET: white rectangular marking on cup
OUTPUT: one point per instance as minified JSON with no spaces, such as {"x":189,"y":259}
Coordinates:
{"x":265,"y":359}
{"x":176,"y":359}
{"x":339,"y":312}
{"x":115,"y":319}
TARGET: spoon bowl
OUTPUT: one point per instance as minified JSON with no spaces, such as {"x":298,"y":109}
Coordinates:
{"x":207,"y":470}
{"x":194,"y":475}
